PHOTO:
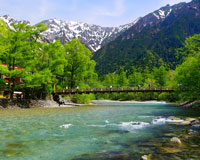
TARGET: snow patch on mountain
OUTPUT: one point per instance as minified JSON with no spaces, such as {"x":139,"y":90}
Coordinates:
{"x":93,"y":36}
{"x":163,"y":12}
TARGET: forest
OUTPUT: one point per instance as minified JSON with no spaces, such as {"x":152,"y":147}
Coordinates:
{"x":47,"y":67}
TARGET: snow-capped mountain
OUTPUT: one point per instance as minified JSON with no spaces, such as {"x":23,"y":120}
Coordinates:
{"x":93,"y":36}
{"x":10,"y":20}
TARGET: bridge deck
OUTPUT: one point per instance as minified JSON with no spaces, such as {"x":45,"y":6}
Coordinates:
{"x":114,"y":90}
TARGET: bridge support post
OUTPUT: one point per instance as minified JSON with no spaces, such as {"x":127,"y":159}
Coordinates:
{"x":151,"y":95}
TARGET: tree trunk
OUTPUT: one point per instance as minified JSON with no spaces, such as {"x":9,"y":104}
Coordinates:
{"x":12,"y":89}
{"x":72,"y":82}
{"x":9,"y":78}
{"x":13,"y":81}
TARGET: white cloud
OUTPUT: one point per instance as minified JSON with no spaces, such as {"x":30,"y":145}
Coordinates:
{"x":172,"y":2}
{"x":41,"y":11}
{"x":117,"y":9}
{"x":105,"y":13}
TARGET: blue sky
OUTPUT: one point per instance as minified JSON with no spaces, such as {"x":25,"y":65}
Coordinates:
{"x":101,"y":12}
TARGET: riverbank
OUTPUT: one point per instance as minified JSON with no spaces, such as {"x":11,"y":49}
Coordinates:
{"x":14,"y":104}
{"x":188,"y":103}
{"x":17,"y":104}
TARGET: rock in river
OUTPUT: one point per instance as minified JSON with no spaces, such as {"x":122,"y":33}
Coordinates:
{"x":146,"y":157}
{"x":176,"y":140}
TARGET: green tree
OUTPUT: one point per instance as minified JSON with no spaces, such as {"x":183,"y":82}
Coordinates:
{"x":135,"y":78}
{"x":187,"y":78}
{"x":122,"y":79}
{"x":80,"y":68}
{"x":54,"y":58}
{"x":160,"y":75}
{"x":187,"y":75}
{"x":17,"y":43}
{"x":111,"y":80}
{"x":45,"y":68}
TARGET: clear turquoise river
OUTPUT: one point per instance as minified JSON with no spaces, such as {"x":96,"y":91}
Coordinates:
{"x":103,"y":131}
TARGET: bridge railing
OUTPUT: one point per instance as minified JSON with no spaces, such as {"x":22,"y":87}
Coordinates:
{"x":115,"y":89}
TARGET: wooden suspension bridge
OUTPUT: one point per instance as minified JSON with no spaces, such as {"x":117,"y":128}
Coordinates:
{"x":113,"y":90}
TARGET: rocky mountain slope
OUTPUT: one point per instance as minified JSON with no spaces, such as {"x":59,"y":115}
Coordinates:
{"x":152,"y":41}
{"x":92,"y":35}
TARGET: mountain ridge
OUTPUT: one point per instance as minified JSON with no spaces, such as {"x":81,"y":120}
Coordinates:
{"x":94,"y":36}
{"x":151,"y":42}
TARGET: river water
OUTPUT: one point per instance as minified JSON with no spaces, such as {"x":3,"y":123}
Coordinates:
{"x":105,"y":131}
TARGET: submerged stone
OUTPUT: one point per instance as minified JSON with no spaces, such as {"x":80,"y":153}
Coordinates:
{"x":122,"y":156}
{"x":175,"y":118}
{"x":170,"y":150}
{"x":9,"y":152}
{"x":15,"y":145}
{"x":151,"y":144}
{"x":190,"y":119}
{"x":169,"y":134}
{"x":118,"y":131}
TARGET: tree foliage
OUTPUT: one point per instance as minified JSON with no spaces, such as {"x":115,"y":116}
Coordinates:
{"x":187,"y":75}
{"x":80,"y":68}
{"x":44,"y":67}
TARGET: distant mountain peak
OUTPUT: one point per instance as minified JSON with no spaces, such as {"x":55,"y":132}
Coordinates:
{"x":93,"y":36}
{"x":9,"y":20}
